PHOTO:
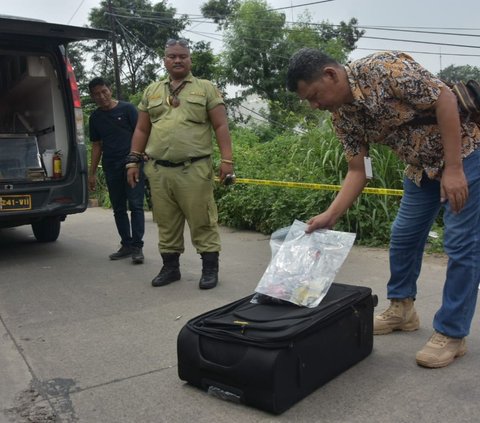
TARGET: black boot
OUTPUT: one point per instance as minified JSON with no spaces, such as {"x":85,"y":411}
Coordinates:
{"x":209,"y":277}
{"x":170,"y":271}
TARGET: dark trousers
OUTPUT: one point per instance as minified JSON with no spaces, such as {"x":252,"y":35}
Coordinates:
{"x":121,"y":195}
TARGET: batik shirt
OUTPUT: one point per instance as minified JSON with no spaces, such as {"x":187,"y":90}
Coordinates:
{"x":390,"y":89}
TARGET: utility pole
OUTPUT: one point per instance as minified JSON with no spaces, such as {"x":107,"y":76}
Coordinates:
{"x":440,"y":58}
{"x":116,"y":70}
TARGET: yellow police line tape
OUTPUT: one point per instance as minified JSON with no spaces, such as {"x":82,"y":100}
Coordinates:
{"x":324,"y":187}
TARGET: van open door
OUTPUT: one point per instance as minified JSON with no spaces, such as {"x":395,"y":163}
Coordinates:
{"x":43,"y":162}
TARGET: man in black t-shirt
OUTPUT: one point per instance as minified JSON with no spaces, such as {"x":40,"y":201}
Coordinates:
{"x":111,"y":129}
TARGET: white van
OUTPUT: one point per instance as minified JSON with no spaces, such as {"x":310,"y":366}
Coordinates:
{"x":43,"y":162}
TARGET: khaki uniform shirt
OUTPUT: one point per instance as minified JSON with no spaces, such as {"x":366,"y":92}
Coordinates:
{"x":390,"y":89}
{"x":179,"y":133}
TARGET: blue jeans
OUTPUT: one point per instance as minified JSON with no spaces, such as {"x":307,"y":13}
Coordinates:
{"x":120,"y":194}
{"x":418,"y":209}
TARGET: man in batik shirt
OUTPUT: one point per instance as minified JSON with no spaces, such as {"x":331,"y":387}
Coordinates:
{"x":390,"y":99}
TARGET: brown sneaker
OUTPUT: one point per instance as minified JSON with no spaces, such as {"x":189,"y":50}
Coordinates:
{"x":401,"y":315}
{"x":440,"y":351}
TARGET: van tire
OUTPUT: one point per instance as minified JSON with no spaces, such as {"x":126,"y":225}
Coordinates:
{"x":47,"y":229}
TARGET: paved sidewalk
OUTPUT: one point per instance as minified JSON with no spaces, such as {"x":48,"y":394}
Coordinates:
{"x":89,"y":340}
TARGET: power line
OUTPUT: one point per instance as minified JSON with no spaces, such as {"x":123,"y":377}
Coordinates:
{"x":300,"y":5}
{"x":205,"y":34}
{"x":194,"y":17}
{"x":416,"y":31}
{"x":216,"y":38}
{"x":381,"y":28}
{"x":76,"y":10}
{"x":134,"y":38}
{"x":420,"y":42}
{"x":213,"y":36}
{"x":141,"y":18}
{"x":264,"y":118}
{"x":429,"y":27}
{"x":422,"y":52}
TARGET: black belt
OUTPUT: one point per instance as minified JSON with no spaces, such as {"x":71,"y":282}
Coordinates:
{"x":167,"y":163}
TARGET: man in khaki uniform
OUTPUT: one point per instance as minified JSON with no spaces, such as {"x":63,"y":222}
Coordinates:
{"x":174,"y":129}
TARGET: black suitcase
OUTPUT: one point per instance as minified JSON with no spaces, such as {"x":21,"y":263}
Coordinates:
{"x":270,"y":356}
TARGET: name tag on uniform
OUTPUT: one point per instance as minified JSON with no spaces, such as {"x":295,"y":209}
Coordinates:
{"x":368,"y":167}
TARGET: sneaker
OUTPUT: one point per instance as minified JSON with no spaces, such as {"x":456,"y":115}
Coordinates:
{"x":123,"y":252}
{"x":440,"y":351}
{"x":401,"y":315}
{"x":137,"y":255}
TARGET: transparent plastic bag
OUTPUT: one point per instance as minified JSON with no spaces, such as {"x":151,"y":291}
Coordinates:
{"x":303,"y":266}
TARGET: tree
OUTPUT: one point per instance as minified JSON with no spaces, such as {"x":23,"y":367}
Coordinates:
{"x":205,"y":64}
{"x":77,"y":59}
{"x":219,"y":11}
{"x":259,"y":44}
{"x":141,"y":30}
{"x":255,"y":46}
{"x":346,"y":32}
{"x":460,"y":73}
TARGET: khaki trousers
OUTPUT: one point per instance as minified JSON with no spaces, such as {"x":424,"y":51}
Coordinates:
{"x":184,"y":193}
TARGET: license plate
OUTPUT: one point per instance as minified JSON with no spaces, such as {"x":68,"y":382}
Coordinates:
{"x":15,"y":202}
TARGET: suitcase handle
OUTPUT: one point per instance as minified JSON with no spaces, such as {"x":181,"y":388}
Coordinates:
{"x":210,"y":359}
{"x":224,"y":392}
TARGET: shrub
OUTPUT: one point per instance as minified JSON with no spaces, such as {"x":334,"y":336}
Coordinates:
{"x":313,"y":157}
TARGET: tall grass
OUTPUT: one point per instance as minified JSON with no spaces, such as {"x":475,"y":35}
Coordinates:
{"x":315,"y":157}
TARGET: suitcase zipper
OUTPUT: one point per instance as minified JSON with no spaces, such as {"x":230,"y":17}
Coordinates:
{"x":279,"y":342}
{"x":224,"y":332}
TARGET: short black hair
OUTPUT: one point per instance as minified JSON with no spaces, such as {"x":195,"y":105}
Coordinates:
{"x":306,"y":65}
{"x":95,"y":82}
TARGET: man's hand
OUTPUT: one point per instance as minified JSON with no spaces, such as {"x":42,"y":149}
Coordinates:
{"x":454,"y":187}
{"x":225,"y":169}
{"x":133,"y":176}
{"x":92,"y":182}
{"x":321,"y":221}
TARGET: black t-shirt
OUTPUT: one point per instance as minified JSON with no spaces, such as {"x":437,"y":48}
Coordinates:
{"x":114,"y":128}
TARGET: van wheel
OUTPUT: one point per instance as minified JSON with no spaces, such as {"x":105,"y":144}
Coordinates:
{"x":47,"y":230}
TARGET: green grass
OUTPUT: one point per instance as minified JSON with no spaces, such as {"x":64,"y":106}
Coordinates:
{"x":314,"y":157}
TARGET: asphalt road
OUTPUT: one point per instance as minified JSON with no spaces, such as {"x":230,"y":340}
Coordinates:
{"x":85,"y":339}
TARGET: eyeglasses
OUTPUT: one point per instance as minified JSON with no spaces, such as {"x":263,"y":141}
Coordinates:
{"x":173,"y":41}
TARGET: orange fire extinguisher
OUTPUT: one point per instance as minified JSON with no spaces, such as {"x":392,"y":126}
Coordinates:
{"x":57,"y":165}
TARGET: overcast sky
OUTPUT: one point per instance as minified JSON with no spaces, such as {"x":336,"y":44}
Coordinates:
{"x":430,"y":15}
